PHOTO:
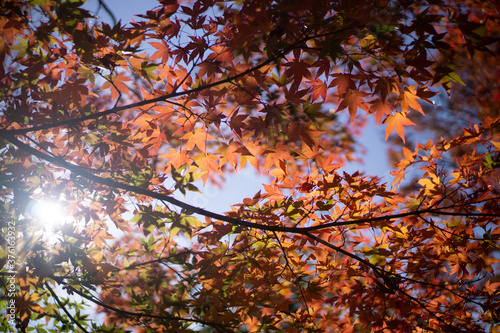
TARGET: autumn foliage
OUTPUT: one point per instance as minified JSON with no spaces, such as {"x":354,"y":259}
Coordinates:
{"x":120,"y":121}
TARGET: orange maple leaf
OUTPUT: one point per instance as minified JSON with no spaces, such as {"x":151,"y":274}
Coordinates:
{"x":409,"y":99}
{"x":163,"y":51}
{"x":353,"y":99}
{"x":198,"y":138}
{"x":397,"y":122}
{"x":176,"y":159}
{"x":26,"y":303}
{"x":342,"y":82}
{"x":276,"y":155}
{"x":229,"y":153}
{"x":117,"y":86}
{"x":380,"y":109}
{"x":207,"y":163}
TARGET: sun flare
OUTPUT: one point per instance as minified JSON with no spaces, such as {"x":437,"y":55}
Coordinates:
{"x":49,"y":212}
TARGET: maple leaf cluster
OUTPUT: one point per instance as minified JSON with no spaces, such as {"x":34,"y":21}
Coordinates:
{"x":119,"y":122}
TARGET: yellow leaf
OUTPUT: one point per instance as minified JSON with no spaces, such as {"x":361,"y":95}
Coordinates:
{"x":431,"y":185}
{"x":457,"y":176}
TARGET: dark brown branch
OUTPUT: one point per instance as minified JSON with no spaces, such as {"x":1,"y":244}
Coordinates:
{"x":159,"y":260}
{"x":138,"y":314}
{"x":108,"y":10}
{"x":76,"y":170}
{"x":58,"y":301}
{"x":436,"y":211}
{"x":346,"y":253}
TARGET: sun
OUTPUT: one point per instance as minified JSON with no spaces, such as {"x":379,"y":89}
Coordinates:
{"x":49,"y":212}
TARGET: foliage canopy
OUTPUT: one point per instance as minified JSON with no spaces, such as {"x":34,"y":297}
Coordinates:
{"x":119,"y":121}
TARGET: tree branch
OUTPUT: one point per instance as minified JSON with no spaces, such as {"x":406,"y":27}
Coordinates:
{"x":138,"y":314}
{"x":193,"y":209}
{"x":106,"y":8}
{"x":58,"y":301}
{"x":159,"y":260}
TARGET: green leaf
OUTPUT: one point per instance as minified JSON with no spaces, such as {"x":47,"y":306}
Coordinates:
{"x":453,"y":76}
